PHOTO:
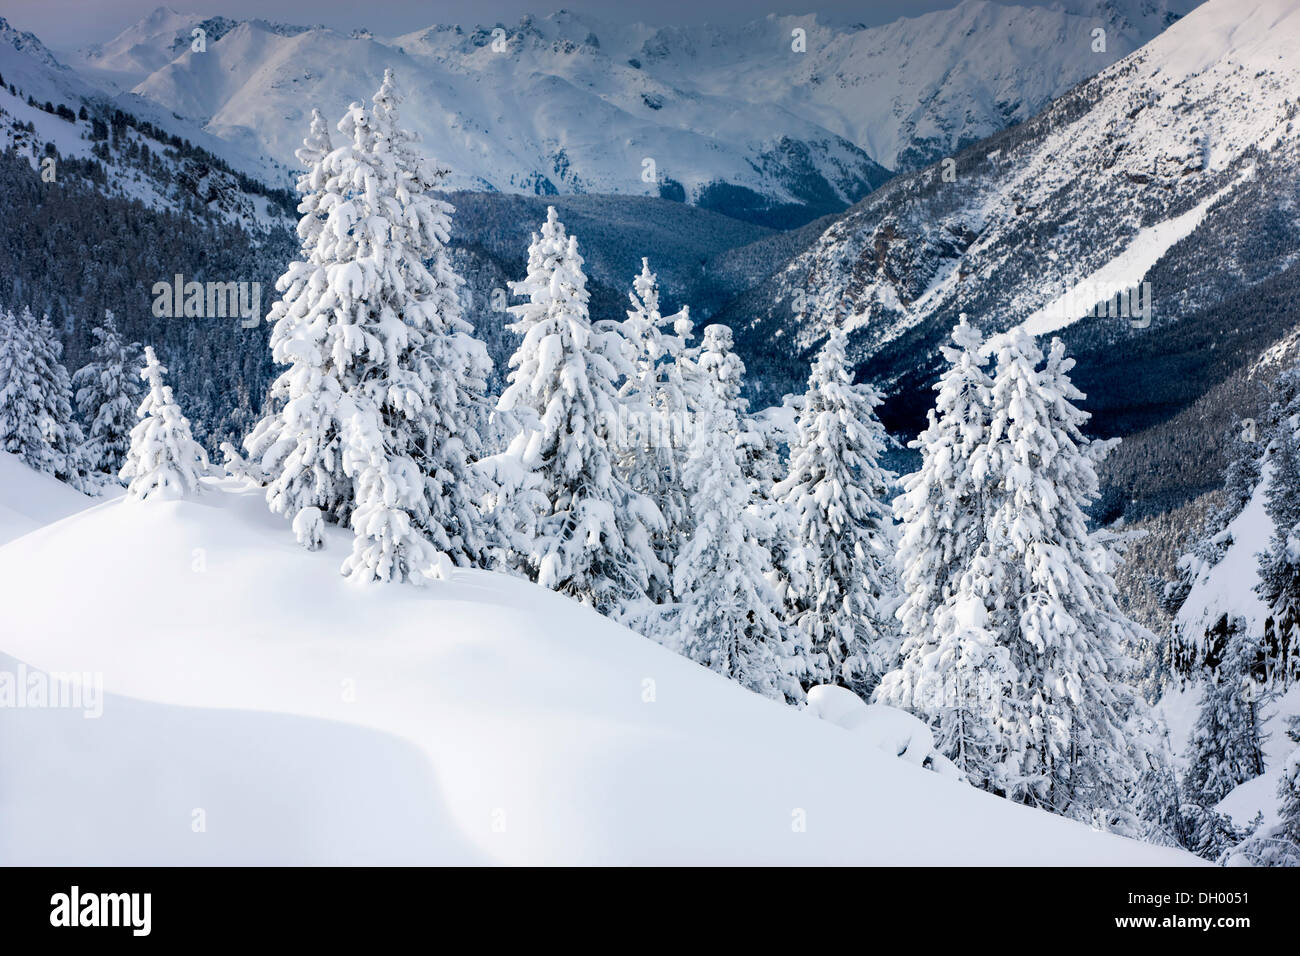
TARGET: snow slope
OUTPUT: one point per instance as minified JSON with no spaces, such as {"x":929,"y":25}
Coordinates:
{"x":29,"y":499}
{"x":259,"y":709}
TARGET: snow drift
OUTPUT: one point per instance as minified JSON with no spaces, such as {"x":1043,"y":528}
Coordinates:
{"x":259,"y":709}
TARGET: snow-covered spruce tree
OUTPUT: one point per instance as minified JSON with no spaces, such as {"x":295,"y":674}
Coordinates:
{"x":385,"y":396}
{"x":727,"y":618}
{"x":953,"y":671}
{"x":835,"y":490}
{"x":163,"y":460}
{"x":1224,"y":747}
{"x":20,"y":397}
{"x":108,"y":394}
{"x":441,"y":418}
{"x":655,"y":416}
{"x":36,"y":422}
{"x":297,"y":444}
{"x":593,"y":536}
{"x":1056,"y":612}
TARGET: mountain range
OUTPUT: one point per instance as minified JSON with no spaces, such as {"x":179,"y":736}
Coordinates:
{"x":777,"y":120}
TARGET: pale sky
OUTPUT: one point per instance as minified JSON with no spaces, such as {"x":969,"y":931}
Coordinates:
{"x":68,"y":24}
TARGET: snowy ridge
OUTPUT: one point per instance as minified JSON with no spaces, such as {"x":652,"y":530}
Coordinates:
{"x":482,"y":719}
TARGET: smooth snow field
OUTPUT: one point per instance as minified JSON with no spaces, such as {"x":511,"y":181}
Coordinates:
{"x":259,"y":709}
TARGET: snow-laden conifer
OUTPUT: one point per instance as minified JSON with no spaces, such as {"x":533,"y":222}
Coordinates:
{"x":164,"y":460}
{"x":953,"y":671}
{"x":107,"y":396}
{"x":379,"y":417}
{"x":1055,"y":612}
{"x":835,"y":493}
{"x":593,"y":532}
{"x":727,"y":618}
{"x":655,"y":417}
{"x":36,"y":422}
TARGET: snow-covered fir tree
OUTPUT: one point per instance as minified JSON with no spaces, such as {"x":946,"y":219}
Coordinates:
{"x":1063,"y":722}
{"x":163,"y":460}
{"x":594,"y":535}
{"x":727,"y":618}
{"x":108,"y":394}
{"x":835,"y":491}
{"x":381,"y":410}
{"x":656,"y":416}
{"x":953,"y":671}
{"x":36,"y":422}
{"x":20,"y":396}
{"x":297,"y":444}
{"x":1224,"y":747}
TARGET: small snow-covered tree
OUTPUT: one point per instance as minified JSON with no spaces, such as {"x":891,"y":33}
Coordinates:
{"x":163,"y":460}
{"x":593,"y":536}
{"x":835,"y":491}
{"x":1212,"y":834}
{"x":1056,"y":612}
{"x":728,"y":617}
{"x":108,"y":393}
{"x":36,"y":422}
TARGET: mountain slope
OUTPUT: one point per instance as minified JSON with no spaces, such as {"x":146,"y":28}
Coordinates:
{"x":482,"y":719}
{"x":125,"y":146}
{"x":1177,"y":166}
